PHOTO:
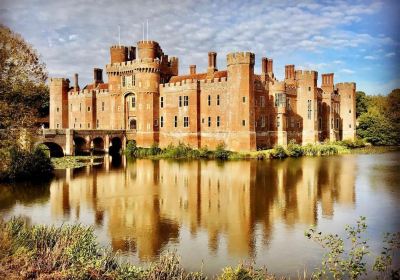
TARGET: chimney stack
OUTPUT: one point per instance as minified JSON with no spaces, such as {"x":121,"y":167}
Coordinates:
{"x":76,"y":85}
{"x":270,"y":66}
{"x":264,"y":62}
{"x":212,"y":61}
{"x":289,"y":71}
{"x":98,"y":75}
{"x":192,"y":69}
{"x":131,"y":53}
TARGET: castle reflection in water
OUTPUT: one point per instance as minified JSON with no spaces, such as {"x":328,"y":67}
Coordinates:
{"x":144,"y":203}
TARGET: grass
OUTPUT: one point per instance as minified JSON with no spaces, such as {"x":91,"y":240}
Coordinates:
{"x":74,"y":161}
{"x":71,"y":252}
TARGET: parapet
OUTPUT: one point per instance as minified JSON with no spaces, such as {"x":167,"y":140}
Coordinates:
{"x":348,"y":85}
{"x":240,"y":58}
{"x":306,"y":74}
{"x":59,"y":81}
{"x":149,"y":49}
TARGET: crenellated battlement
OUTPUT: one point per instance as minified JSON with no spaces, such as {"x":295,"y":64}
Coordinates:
{"x":306,"y":74}
{"x":346,"y":85}
{"x":240,"y":58}
{"x":149,"y":44}
{"x":59,"y":81}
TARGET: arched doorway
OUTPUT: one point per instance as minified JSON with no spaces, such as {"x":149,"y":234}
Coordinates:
{"x":116,"y":145}
{"x":53,"y":149}
{"x":130,"y":110}
{"x":98,"y":145}
{"x":80,"y":146}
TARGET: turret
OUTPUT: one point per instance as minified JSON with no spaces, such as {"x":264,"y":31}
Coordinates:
{"x":76,"y":84}
{"x":192,"y":69}
{"x":327,"y":82}
{"x":118,"y":54}
{"x":347,"y":92}
{"x":241,"y":101}
{"x":289,"y":74}
{"x":149,"y":50}
{"x":174,"y":65}
{"x":59,"y":103}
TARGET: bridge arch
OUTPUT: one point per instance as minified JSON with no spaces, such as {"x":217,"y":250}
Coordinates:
{"x":98,"y":144}
{"x":54,"y":149}
{"x":115,"y":145}
{"x":80,"y":145}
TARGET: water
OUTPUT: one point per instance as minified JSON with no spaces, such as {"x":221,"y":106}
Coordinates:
{"x":216,"y":214}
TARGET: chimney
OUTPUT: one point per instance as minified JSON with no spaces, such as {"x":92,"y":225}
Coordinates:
{"x":327,"y":79}
{"x":270,"y":66}
{"x":192,"y":70}
{"x":97,"y":75}
{"x":131,"y":53}
{"x":212,"y":61}
{"x":264,"y":62}
{"x":76,"y":85}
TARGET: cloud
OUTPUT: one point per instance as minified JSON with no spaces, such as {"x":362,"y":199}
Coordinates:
{"x":347,"y":71}
{"x":391,"y":54}
{"x":74,"y":36}
{"x":370,"y":57}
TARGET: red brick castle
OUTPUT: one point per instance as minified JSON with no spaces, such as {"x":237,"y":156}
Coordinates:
{"x":147,"y":99}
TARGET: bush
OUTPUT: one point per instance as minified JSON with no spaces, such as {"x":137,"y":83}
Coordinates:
{"x":24,"y":165}
{"x":279,"y":152}
{"x":358,"y":143}
{"x":294,"y":150}
{"x":221,"y":153}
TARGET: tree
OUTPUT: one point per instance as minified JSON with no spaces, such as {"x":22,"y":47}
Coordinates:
{"x":23,"y":92}
{"x":394,"y":105}
{"x":361,"y":103}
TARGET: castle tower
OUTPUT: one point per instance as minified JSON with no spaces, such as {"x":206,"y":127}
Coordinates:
{"x":147,"y":92}
{"x":59,"y":103}
{"x":307,"y":104}
{"x":347,"y":92}
{"x":240,"y":103}
{"x":118,"y":54}
{"x":327,"y":87}
{"x":289,"y":74}
{"x":212,"y":64}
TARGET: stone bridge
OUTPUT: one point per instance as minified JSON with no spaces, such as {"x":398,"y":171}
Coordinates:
{"x":70,"y":141}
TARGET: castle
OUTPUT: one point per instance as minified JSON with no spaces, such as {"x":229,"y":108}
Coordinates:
{"x":150,"y":102}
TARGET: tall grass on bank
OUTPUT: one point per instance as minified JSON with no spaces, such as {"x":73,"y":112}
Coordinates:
{"x":71,"y":252}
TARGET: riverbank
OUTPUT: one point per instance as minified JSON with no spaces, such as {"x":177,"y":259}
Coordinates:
{"x":75,"y":161}
{"x":71,"y":252}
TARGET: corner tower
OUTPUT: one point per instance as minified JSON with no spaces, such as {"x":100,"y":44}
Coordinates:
{"x":347,"y":92}
{"x":240,"y":103}
{"x":59,"y":103}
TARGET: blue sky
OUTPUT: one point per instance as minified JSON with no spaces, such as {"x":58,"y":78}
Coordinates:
{"x":357,"y":40}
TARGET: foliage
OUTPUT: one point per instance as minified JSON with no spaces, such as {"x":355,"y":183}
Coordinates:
{"x":350,"y":263}
{"x":27,"y":165}
{"x":279,"y":152}
{"x":294,"y":150}
{"x":221,"y":152}
{"x":376,"y":128}
{"x":358,"y":143}
{"x":361,"y":103}
{"x":71,"y":252}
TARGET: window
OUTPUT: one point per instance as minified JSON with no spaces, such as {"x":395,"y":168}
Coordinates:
{"x":186,"y":101}
{"x":80,"y":107}
{"x":202,"y":120}
{"x":349,"y":125}
{"x":80,"y":125}
{"x":209,"y":100}
{"x":88,"y":125}
{"x":162,"y":102}
{"x":278,"y":119}
{"x":332,"y":123}
{"x":123,"y":81}
{"x":102,"y":106}
{"x":243,"y":123}
{"x":58,"y":109}
{"x":180,"y":101}
{"x":218,"y":120}
{"x":97,"y":124}
{"x":218,"y":99}
{"x":280,"y":99}
{"x":185,"y":121}
{"x":309,"y":88}
{"x":244,"y":99}
{"x":133,"y":101}
{"x":156,"y":122}
{"x":350,"y":111}
{"x":337,"y":123}
{"x":209,"y":121}
{"x":288,"y":103}
{"x":58,"y":125}
{"x":162,"y":121}
{"x":309,"y":109}
{"x":88,"y":108}
{"x":262,"y":101}
{"x":262,"y":121}
{"x":133,"y":80}
{"x":176,"y":121}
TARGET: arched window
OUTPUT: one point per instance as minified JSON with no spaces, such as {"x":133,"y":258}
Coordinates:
{"x":133,"y":101}
{"x":132,"y":124}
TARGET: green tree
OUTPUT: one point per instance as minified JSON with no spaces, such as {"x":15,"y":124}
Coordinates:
{"x":376,"y":128}
{"x":361,"y":103}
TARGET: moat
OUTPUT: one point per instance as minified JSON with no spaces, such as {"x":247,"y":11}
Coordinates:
{"x":218,"y":213}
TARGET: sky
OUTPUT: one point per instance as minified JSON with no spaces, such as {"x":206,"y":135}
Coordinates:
{"x":357,"y":40}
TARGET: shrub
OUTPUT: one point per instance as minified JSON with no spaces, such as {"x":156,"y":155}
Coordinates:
{"x":294,"y":150}
{"x":310,"y":150}
{"x":221,"y":153}
{"x":131,"y":148}
{"x":24,"y":165}
{"x":279,"y":152}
